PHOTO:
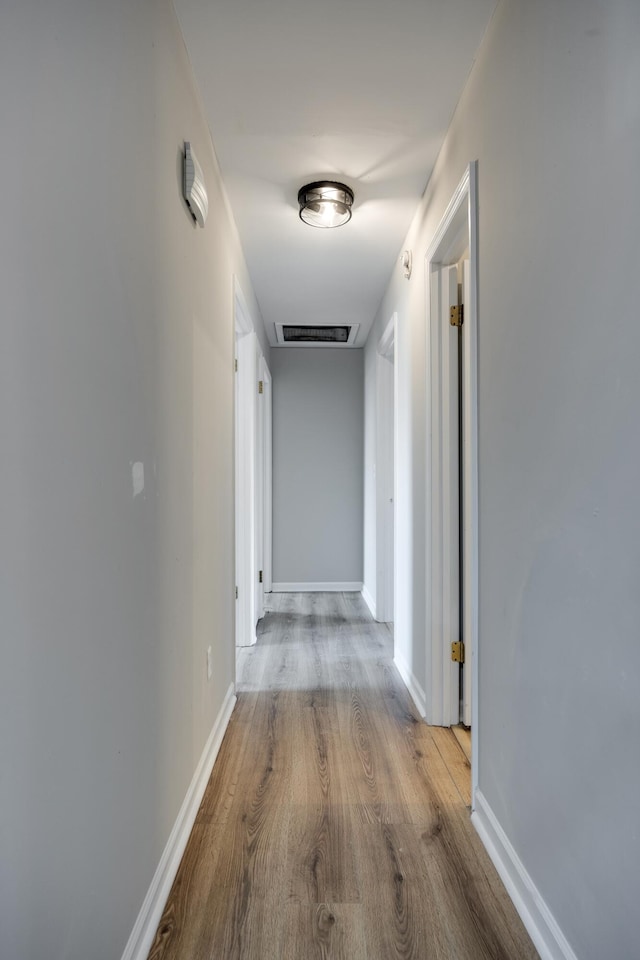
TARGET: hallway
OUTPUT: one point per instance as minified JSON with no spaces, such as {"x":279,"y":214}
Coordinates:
{"x":335,"y":822}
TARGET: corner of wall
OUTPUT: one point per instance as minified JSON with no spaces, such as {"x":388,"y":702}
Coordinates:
{"x":144,"y":930}
{"x":540,"y":923}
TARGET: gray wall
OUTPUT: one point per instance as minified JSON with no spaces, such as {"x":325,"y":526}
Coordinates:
{"x":318,"y":427}
{"x":552,"y":114}
{"x":117,"y":347}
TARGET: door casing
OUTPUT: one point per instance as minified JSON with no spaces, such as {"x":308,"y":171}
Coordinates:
{"x":386,"y":439}
{"x":253,"y":474}
{"x":459,"y":225}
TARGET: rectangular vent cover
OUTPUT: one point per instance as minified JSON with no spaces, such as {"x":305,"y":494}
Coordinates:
{"x":320,"y":334}
{"x":316,"y":334}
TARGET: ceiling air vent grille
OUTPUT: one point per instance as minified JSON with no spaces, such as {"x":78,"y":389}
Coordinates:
{"x":315,"y":334}
{"x":322,"y":334}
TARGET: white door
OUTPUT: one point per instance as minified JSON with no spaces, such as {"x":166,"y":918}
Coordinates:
{"x":262,"y":491}
{"x":385,"y":489}
{"x":267,"y":523}
{"x":390,"y":564}
{"x":455,"y":519}
{"x":452,"y":558}
{"x":465,"y":511}
{"x":450,"y":479}
{"x":259,"y":504}
{"x":385,"y":473}
{"x":237,"y":467}
{"x":246,"y":470}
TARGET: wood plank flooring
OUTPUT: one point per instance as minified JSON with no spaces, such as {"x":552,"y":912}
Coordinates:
{"x":335,"y":824}
{"x":463,"y":736}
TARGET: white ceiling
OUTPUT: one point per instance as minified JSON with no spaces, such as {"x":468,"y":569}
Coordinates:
{"x":360,"y":91}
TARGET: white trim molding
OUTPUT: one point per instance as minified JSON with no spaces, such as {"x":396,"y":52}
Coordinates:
{"x":459,"y":226}
{"x":330,"y":586}
{"x":541,"y":925}
{"x":370,"y":602}
{"x":144,"y":930}
{"x":386,"y":443}
{"x":267,"y":480}
{"x":416,"y":692}
{"x":247,"y":481}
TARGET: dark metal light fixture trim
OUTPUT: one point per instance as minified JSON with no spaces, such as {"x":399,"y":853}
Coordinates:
{"x":325,"y":203}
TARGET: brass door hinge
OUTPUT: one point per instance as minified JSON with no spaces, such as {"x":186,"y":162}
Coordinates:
{"x":260,"y":386}
{"x":260,"y":576}
{"x":457,"y":652}
{"x":236,"y":593}
{"x":236,"y":366}
{"x":456,"y":316}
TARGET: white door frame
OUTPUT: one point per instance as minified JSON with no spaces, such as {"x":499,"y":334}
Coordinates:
{"x":267,"y":433}
{"x":245,"y":461}
{"x":259,"y":492}
{"x":386,"y":440}
{"x":461,"y":214}
{"x":263,"y":494}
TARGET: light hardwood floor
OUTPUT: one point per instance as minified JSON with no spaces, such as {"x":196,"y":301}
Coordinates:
{"x":336,"y":823}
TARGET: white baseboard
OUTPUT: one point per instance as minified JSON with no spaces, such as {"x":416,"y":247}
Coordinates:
{"x":347,"y":586}
{"x":415,"y":690}
{"x":252,"y":639}
{"x":541,"y":925}
{"x":145,"y":927}
{"x":368,"y":599}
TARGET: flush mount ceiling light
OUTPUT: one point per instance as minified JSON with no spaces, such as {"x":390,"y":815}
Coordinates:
{"x":325,"y":203}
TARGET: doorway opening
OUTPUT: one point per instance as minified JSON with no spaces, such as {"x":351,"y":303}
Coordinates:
{"x":264,"y":495}
{"x":252,"y":476}
{"x":452,"y":526}
{"x":385,"y":474}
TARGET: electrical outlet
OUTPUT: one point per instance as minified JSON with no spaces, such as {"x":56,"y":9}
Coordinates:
{"x":209,"y":663}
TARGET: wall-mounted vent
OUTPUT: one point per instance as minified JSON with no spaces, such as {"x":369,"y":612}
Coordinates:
{"x":322,"y":334}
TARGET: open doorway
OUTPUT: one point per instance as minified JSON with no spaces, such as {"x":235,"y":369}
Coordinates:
{"x":452,"y":564}
{"x":385,"y":474}
{"x":263,"y":487}
{"x":252,"y":476}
